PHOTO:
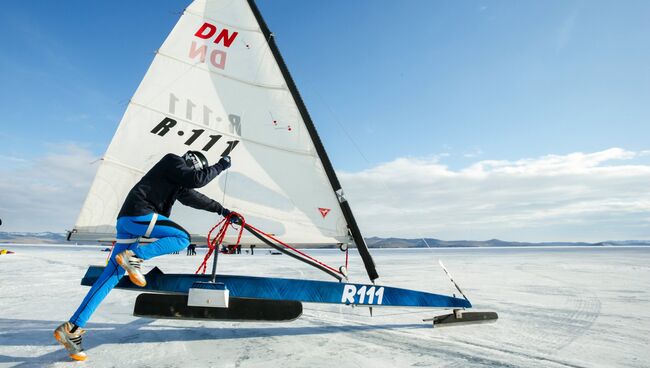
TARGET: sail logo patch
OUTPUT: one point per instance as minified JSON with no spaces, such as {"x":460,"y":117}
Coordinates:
{"x":208,"y":30}
{"x":215,"y":57}
{"x":323,"y":211}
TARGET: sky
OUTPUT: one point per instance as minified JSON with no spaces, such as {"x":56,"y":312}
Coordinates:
{"x":515,"y":120}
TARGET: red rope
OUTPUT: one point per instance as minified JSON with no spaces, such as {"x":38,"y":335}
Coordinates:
{"x":293,"y":249}
{"x":111,"y":251}
{"x":218,"y":239}
{"x":221,"y":234}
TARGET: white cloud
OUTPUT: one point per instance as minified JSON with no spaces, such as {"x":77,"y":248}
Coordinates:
{"x":575,"y":197}
{"x":46,"y":193}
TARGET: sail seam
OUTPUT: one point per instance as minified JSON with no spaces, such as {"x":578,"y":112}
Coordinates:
{"x":114,"y":161}
{"x":242,"y":139}
{"x":198,"y":65}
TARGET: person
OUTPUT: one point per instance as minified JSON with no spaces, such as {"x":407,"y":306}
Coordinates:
{"x":145,"y":213}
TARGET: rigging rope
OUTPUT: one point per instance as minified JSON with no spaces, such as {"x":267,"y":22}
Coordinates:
{"x":293,"y":249}
{"x":108,"y":259}
{"x":218,"y":239}
{"x":226,"y":222}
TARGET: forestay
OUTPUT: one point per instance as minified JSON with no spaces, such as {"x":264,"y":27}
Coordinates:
{"x":216,"y":87}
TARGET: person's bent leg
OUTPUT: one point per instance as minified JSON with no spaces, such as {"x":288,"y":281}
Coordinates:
{"x":171,"y":238}
{"x":104,"y":284}
{"x":69,"y":334}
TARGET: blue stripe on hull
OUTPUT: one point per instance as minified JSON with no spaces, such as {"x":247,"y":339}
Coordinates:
{"x":308,"y":291}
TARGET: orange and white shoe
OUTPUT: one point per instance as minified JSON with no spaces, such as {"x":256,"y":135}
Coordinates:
{"x":131,"y":264}
{"x":71,"y":340}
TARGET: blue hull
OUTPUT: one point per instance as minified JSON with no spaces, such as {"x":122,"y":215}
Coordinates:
{"x":308,"y":291}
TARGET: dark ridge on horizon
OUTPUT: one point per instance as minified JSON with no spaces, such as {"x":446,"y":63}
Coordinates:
{"x":373,"y":242}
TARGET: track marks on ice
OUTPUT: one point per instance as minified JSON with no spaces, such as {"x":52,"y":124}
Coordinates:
{"x":431,"y":347}
{"x":567,"y":314}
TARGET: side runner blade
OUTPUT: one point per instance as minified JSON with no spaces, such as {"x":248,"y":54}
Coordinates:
{"x":174,"y":306}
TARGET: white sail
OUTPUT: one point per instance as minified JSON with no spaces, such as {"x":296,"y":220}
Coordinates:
{"x":215,"y":86}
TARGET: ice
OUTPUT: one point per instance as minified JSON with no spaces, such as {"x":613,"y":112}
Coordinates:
{"x":575,"y":307}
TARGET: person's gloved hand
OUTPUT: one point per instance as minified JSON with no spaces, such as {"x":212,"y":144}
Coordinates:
{"x":235,"y":220}
{"x":224,"y":162}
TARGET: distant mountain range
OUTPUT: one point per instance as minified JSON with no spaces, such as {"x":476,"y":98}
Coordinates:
{"x":373,"y":242}
{"x":32,"y":238}
{"x":376,"y":242}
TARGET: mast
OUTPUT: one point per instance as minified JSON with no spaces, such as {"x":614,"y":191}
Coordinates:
{"x":320,"y":149}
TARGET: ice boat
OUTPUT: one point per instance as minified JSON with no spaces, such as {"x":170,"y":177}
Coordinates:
{"x":218,"y":84}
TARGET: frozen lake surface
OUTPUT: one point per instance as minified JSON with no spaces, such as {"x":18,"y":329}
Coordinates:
{"x":558,"y":307}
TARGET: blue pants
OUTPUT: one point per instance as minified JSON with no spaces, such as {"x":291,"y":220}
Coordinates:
{"x":171,"y":238}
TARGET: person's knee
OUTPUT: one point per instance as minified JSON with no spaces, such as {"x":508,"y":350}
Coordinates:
{"x":183,"y":239}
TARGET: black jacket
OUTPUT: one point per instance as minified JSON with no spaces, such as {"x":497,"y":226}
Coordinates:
{"x":170,"y":179}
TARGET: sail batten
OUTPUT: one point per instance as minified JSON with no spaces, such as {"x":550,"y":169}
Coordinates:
{"x":113,"y":161}
{"x":196,"y":65}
